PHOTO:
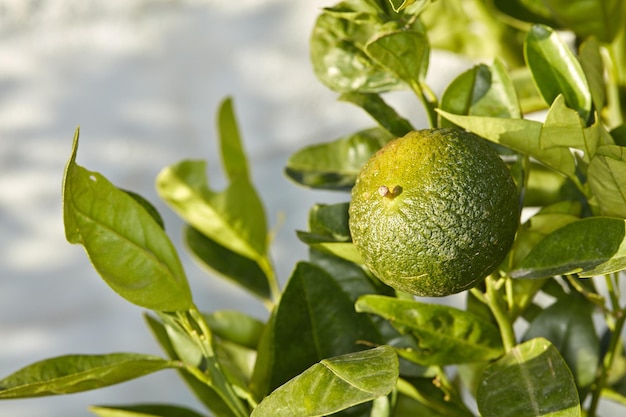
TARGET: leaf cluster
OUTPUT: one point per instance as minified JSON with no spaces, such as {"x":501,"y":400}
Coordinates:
{"x":548,"y":91}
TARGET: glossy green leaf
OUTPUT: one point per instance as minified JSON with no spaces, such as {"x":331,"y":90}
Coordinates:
{"x":521,"y":135}
{"x":76,"y":373}
{"x":203,"y":392}
{"x":343,"y":250}
{"x":568,"y":325}
{"x":338,"y":49}
{"x":588,"y":247}
{"x":545,"y":186}
{"x":334,"y":384}
{"x":607,"y":179}
{"x":555,"y":70}
{"x":563,"y":127}
{"x":330,"y":232}
{"x":403,"y":52}
{"x":234,"y":217}
{"x":481,"y":91}
{"x":335,"y":165}
{"x":526,"y":10}
{"x":352,"y":278}
{"x":528,"y":236}
{"x":315,"y":319}
{"x":143,"y":410}
{"x":125,"y":244}
{"x":444,"y":335}
{"x":452,"y":25}
{"x":330,"y":220}
{"x":236,"y":327}
{"x":230,"y":265}
{"x":233,"y":156}
{"x":600,"y":18}
{"x":531,"y":380}
{"x":593,"y":67}
{"x":384,"y":114}
{"x":152,"y":211}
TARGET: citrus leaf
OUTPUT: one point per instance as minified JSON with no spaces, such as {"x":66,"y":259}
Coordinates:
{"x":543,"y":384}
{"x":236,"y":327}
{"x":600,"y":18}
{"x":591,"y":62}
{"x":444,"y":335}
{"x":124,"y":242}
{"x":607,"y":179}
{"x":313,"y":307}
{"x":526,"y":10}
{"x":203,"y":392}
{"x":142,"y":410}
{"x":234,"y":217}
{"x":335,"y":165}
{"x":384,"y":114}
{"x":568,"y":325}
{"x":334,"y":384}
{"x":588,"y":247}
{"x":555,"y":70}
{"x":233,"y":156}
{"x":563,"y":127}
{"x":330,"y":220}
{"x":77,"y":373}
{"x":521,"y":135}
{"x":338,"y":49}
{"x":230,"y":265}
{"x":343,"y":250}
{"x":152,"y":211}
{"x":403,"y":52}
{"x":481,"y":91}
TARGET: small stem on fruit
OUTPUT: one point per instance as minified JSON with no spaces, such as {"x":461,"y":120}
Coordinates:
{"x":384,"y":191}
{"x":497,"y":308}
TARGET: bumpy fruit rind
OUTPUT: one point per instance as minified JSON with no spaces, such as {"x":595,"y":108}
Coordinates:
{"x":434,"y":212}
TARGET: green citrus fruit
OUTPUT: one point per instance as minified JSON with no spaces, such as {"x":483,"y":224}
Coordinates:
{"x":434,"y":212}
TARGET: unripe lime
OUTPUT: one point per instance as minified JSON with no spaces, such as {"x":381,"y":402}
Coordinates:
{"x":434,"y":212}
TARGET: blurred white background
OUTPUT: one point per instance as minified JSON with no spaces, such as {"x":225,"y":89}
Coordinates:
{"x":143,"y":79}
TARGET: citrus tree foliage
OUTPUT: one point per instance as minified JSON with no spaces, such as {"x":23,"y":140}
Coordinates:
{"x":337,"y":341}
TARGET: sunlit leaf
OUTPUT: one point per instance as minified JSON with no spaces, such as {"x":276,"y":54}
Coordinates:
{"x":588,"y":247}
{"x":521,"y":135}
{"x":403,"y":52}
{"x":482,"y":91}
{"x":233,"y":156}
{"x":531,"y":380}
{"x":568,"y":325}
{"x":607,"y":179}
{"x":563,"y":127}
{"x":334,"y":384}
{"x":124,"y":242}
{"x":338,"y":49}
{"x":313,"y":307}
{"x":335,"y":165}
{"x":526,"y":10}
{"x":384,"y":114}
{"x":600,"y":18}
{"x":555,"y":70}
{"x":593,"y":67}
{"x":203,"y":392}
{"x":230,"y":265}
{"x":76,"y":373}
{"x":444,"y":335}
{"x":235,"y":326}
